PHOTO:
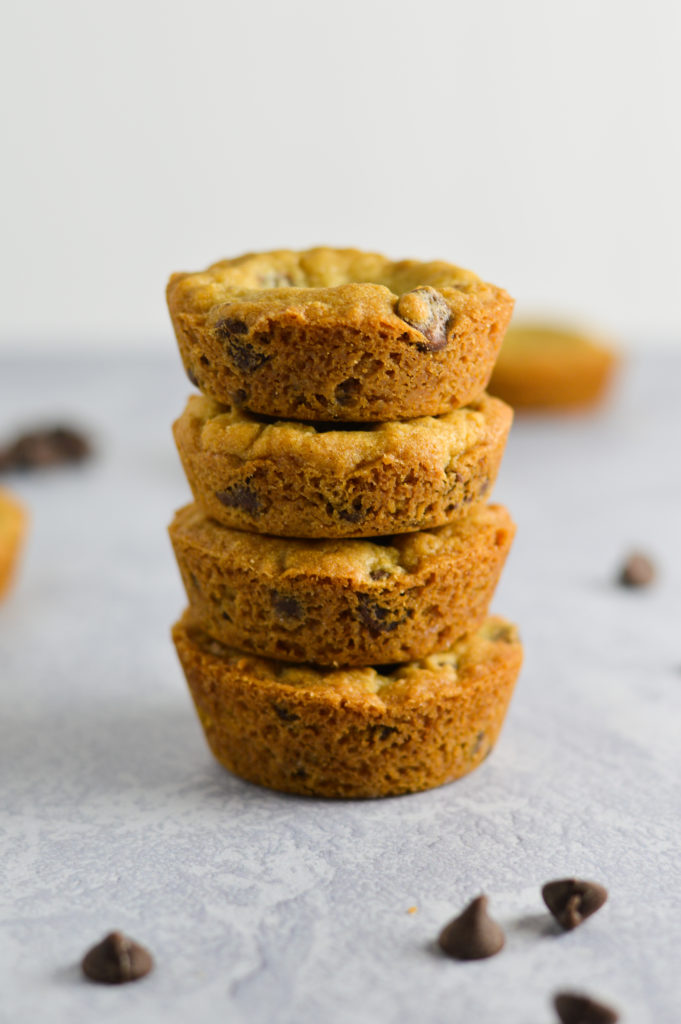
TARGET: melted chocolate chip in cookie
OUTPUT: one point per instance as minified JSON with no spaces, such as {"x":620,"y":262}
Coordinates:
{"x":241,"y":496}
{"x":426,"y":310}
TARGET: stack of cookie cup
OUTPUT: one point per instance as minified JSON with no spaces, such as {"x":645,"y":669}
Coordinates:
{"x":339,"y":558}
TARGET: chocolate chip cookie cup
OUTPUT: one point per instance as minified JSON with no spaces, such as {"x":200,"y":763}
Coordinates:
{"x":13,"y":525}
{"x":355,"y":733}
{"x":338,"y":334}
{"x":301,"y":480}
{"x":544,"y":366}
{"x":342,"y":602}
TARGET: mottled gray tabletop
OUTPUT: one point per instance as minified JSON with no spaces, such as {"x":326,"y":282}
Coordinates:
{"x":265,"y":908}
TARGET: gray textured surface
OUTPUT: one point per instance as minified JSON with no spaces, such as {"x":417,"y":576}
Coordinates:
{"x":265,"y":908}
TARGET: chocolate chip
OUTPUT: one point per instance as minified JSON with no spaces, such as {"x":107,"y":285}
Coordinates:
{"x":578,"y":1009}
{"x":473,"y":935}
{"x":286,"y":607}
{"x":478,"y":743}
{"x":283,"y":712}
{"x":380,"y":574}
{"x":427,"y":311}
{"x":230,"y":325}
{"x":354,"y":514}
{"x":243,"y":354}
{"x":47,"y":447}
{"x":383,"y":732}
{"x":240,"y":496}
{"x":192,"y":376}
{"x":117,"y":959}
{"x":347,"y":391}
{"x":637,"y":571}
{"x":376,"y":617}
{"x":572,"y":900}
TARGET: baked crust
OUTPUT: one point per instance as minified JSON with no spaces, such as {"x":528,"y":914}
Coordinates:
{"x":300,"y":480}
{"x":338,"y":334}
{"x":342,"y":602}
{"x":543,"y":367}
{"x":13,"y":524}
{"x":352,"y":732}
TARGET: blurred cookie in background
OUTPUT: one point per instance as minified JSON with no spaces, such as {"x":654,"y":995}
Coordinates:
{"x":13,"y":523}
{"x":548,"y":366}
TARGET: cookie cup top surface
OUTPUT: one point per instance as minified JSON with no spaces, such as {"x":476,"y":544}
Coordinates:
{"x":338,"y":334}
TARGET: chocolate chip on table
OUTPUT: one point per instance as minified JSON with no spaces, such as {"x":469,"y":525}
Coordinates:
{"x":578,"y":1009}
{"x":572,"y":900}
{"x":637,"y":571}
{"x":49,"y":446}
{"x":117,"y":959}
{"x":427,"y":311}
{"x":473,"y":935}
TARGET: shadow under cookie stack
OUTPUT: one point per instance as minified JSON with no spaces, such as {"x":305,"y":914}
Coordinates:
{"x":340,"y":557}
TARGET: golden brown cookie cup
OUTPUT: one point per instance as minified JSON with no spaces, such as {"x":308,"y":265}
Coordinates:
{"x":299,"y":480}
{"x":342,"y":602}
{"x":13,"y":524}
{"x":545,"y":367}
{"x":352,"y":732}
{"x":332,"y":334}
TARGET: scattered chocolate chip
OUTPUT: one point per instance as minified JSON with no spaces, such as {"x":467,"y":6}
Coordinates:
{"x":473,"y":935}
{"x":427,"y":311}
{"x":192,"y":376}
{"x":283,"y":712}
{"x":48,"y":447}
{"x":347,"y":391}
{"x":117,"y":959}
{"x":572,"y":900}
{"x":240,"y":496}
{"x":376,"y":617}
{"x":637,"y":571}
{"x":286,"y":607}
{"x":577,"y":1009}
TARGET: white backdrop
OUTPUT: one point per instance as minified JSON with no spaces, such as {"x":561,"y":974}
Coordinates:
{"x":537,"y":143}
